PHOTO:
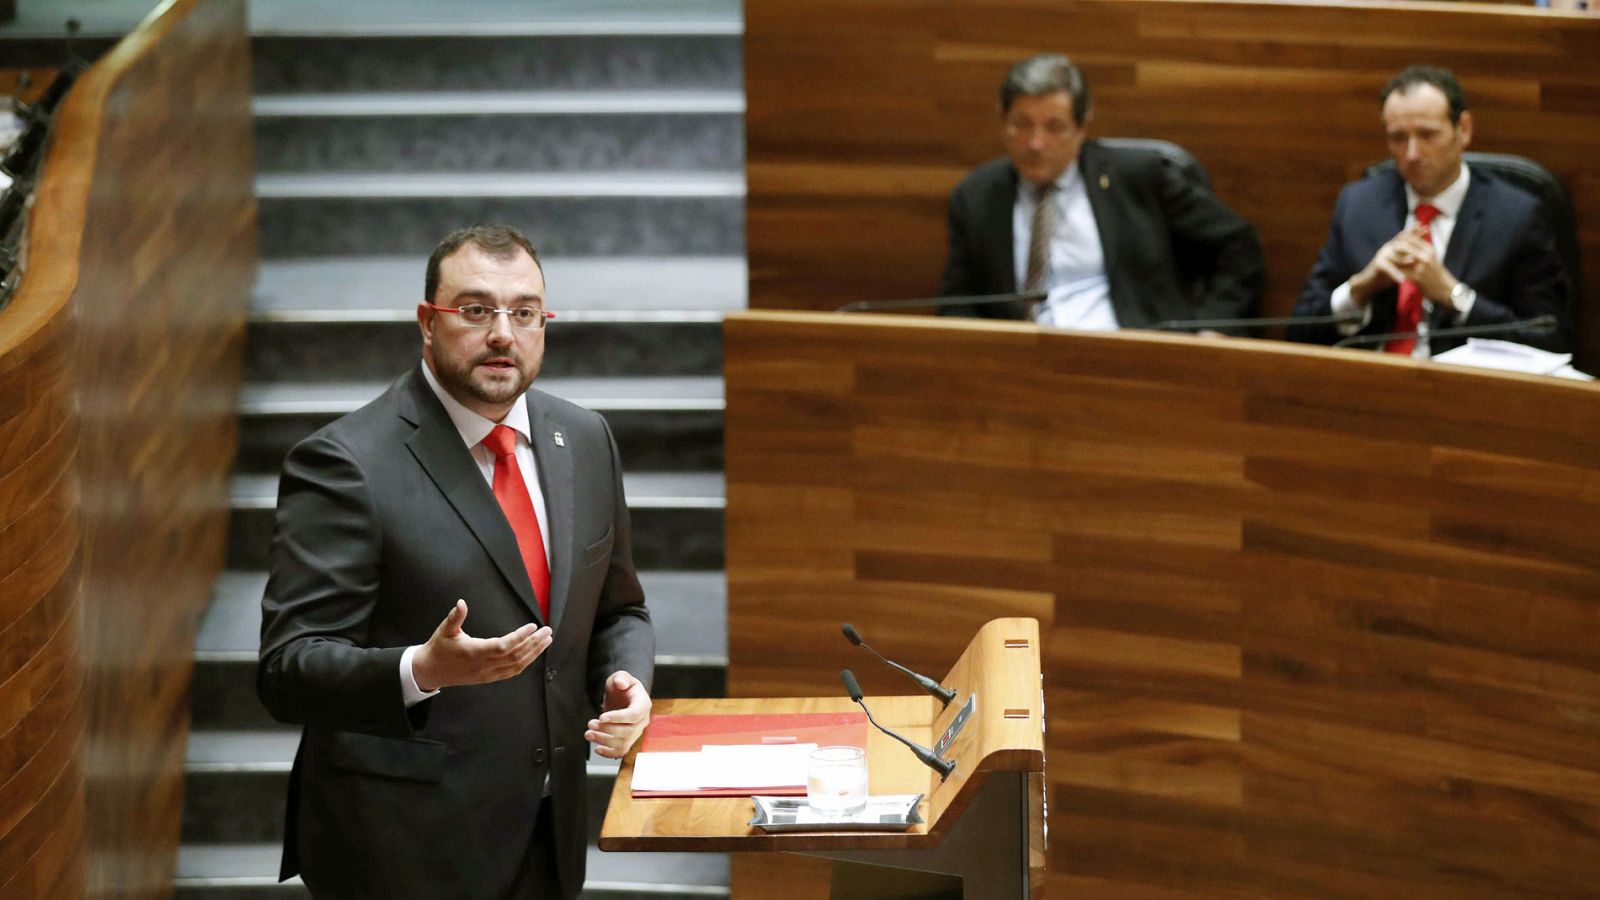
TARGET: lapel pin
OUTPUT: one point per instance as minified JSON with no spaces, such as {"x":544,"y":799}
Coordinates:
{"x":560,"y":441}
{"x":1105,"y":182}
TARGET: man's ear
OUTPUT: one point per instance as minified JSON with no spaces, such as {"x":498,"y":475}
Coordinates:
{"x":1464,"y":127}
{"x":425,"y":316}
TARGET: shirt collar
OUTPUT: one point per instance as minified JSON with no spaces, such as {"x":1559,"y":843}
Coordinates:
{"x":1449,"y":200}
{"x":1068,"y":177}
{"x":473,"y":427}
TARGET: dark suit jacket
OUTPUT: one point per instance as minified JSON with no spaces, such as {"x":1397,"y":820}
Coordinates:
{"x":1158,"y":229}
{"x":383,"y":521}
{"x":1502,"y":245}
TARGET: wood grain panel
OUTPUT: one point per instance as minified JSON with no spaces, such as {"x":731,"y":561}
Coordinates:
{"x":861,"y":117}
{"x":119,"y":366}
{"x":1315,"y":624}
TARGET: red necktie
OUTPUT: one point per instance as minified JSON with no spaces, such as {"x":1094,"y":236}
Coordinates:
{"x":1408,"y":306}
{"x":512,"y":492}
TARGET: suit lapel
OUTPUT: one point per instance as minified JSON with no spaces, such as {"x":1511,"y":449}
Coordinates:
{"x":554,"y":461}
{"x":1092,"y":168}
{"x":1469,"y":223}
{"x":437,"y":447}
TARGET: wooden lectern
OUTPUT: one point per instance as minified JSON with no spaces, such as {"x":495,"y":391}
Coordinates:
{"x":983,"y":826}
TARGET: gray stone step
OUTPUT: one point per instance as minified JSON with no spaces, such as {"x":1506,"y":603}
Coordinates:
{"x":223,"y":688}
{"x":503,"y":60}
{"x":332,"y":350}
{"x":660,"y":424}
{"x":605,"y":395}
{"x":249,"y":870}
{"x":233,"y":796}
{"x":466,"y":17}
{"x":677,"y":520}
{"x":689,"y":610}
{"x":610,"y":288}
{"x":501,"y":142}
{"x":697,"y":222}
{"x":518,"y":185}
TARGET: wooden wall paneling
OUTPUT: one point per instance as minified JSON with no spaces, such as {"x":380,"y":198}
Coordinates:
{"x":1317,"y":624}
{"x":862,"y":117}
{"x":124,"y":345}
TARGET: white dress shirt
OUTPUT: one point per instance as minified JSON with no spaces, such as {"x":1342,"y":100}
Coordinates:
{"x":1079,"y":296}
{"x":1448,"y":203}
{"x":474,"y":428}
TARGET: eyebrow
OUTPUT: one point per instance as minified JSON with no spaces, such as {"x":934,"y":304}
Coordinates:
{"x":474,"y":294}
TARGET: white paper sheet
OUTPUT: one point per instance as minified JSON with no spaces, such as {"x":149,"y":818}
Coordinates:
{"x":718,"y":766}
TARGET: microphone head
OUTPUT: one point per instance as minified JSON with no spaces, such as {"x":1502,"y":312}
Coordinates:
{"x":850,"y":634}
{"x":850,"y":685}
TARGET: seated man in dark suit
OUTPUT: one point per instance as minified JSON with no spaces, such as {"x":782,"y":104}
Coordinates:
{"x":1108,"y":232}
{"x":1433,"y":240}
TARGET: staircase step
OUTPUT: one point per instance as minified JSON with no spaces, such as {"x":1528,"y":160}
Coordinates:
{"x":460,"y":104}
{"x":332,"y":351}
{"x":687,"y":394}
{"x":490,"y":17}
{"x":237,"y":793}
{"x":613,"y":288}
{"x":660,"y":424}
{"x":701,"y":55}
{"x":646,"y":490}
{"x":497,"y":185}
{"x":246,"y":871}
{"x":695,"y":221}
{"x":508,"y":143}
{"x":689,"y":610}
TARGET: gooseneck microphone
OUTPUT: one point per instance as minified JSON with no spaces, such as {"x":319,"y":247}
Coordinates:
{"x":1348,"y":318}
{"x":1545,"y":324}
{"x":930,"y":759}
{"x":944,"y":694}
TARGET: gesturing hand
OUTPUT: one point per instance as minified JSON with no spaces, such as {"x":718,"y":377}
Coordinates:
{"x":452,"y":657}
{"x":623,"y":717}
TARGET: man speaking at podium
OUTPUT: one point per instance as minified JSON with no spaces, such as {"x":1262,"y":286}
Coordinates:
{"x":1114,"y":235}
{"x":453,"y":610}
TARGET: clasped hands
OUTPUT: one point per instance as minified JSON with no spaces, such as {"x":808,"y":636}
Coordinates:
{"x":451,"y":658}
{"x":1408,"y":256}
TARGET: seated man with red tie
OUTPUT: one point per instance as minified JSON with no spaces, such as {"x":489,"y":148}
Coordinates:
{"x":1434,"y":242}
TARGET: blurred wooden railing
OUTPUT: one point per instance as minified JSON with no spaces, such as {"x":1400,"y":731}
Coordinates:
{"x":119,"y":370}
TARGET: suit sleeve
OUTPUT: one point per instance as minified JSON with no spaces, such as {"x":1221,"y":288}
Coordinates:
{"x":1332,"y":268}
{"x":1535,"y":285}
{"x":623,"y":638}
{"x":961,"y":276}
{"x":326,"y":549}
{"x":1206,"y":232}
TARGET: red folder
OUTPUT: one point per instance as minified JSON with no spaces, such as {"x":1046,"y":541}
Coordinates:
{"x":678,"y":734}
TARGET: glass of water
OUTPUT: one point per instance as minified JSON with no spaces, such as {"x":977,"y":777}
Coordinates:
{"x":836,"y":780}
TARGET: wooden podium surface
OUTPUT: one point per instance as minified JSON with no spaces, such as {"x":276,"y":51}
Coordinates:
{"x":1003,"y":734}
{"x":1314,"y":623}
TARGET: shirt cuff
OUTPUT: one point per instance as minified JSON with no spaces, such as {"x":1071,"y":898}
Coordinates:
{"x":408,"y":682}
{"x":1465,"y":309}
{"x":1342,"y":304}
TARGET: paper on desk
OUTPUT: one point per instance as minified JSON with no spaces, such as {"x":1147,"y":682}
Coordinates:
{"x":1509,"y":356}
{"x":718,"y":766}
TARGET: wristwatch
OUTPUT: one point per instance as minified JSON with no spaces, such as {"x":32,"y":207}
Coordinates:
{"x":1462,"y":295}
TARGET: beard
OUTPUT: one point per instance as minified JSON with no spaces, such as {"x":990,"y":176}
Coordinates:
{"x":464,"y":379}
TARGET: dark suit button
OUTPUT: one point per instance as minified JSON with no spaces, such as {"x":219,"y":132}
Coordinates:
{"x":538,"y":757}
{"x":550,"y":675}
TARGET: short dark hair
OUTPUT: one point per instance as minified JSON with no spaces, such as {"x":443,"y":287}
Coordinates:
{"x":1441,"y":78}
{"x":499,"y":241}
{"x":1047,"y":73}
